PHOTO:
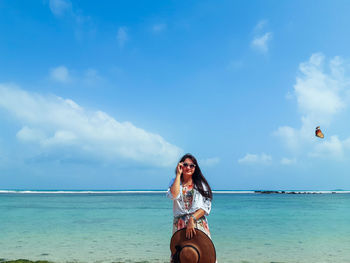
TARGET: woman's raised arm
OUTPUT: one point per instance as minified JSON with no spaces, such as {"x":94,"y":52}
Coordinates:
{"x":175,"y":188}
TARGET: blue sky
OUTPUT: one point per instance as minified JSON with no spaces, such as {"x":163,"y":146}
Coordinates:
{"x":110,"y":95}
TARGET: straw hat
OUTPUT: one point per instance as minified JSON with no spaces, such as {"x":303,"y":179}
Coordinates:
{"x":198,"y":249}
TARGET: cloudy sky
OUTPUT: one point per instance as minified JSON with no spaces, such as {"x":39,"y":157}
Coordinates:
{"x":110,"y":95}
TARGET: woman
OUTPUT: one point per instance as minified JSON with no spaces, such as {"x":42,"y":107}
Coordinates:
{"x":192,"y":197}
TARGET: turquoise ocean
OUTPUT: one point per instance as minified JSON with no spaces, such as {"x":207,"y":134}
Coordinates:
{"x":135,"y":226}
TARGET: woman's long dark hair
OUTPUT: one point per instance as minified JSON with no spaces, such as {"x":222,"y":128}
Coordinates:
{"x":197,"y":177}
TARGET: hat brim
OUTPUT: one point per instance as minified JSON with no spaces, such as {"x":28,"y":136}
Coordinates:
{"x":201,"y":240}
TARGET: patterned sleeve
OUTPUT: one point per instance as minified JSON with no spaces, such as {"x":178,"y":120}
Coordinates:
{"x":201,"y":202}
{"x":169,"y":194}
{"x":206,"y":206}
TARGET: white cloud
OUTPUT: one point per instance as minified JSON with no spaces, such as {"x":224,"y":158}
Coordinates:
{"x":333,"y":148}
{"x":260,"y":42}
{"x":83,"y":25}
{"x":286,"y":161}
{"x":255,"y":159}
{"x":159,"y":28}
{"x":52,"y":122}
{"x":260,"y":25}
{"x":210,"y":161}
{"x":290,"y":137}
{"x":321,"y":91}
{"x":122,"y":36}
{"x":89,"y":76}
{"x":317,"y":92}
{"x":60,"y":7}
{"x":60,"y":74}
{"x":28,"y":134}
{"x":261,"y":38}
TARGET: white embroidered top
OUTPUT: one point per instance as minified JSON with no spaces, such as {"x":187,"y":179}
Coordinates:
{"x":180,"y":206}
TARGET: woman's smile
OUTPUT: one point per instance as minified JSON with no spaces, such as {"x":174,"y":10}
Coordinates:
{"x":188,"y":167}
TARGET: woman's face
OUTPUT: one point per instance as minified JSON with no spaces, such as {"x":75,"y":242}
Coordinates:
{"x":188,"y":167}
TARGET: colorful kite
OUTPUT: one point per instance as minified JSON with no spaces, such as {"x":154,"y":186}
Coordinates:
{"x":319,"y":133}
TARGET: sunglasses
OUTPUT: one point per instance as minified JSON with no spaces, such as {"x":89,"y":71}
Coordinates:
{"x":189,"y":165}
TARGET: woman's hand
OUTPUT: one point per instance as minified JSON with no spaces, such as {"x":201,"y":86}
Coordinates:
{"x":190,"y":231}
{"x":179,"y":169}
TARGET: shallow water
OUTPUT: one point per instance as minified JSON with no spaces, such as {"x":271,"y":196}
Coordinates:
{"x":136,"y":227}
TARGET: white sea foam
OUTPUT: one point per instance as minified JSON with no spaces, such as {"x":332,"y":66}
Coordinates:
{"x":282,"y":192}
{"x":233,"y":192}
{"x":304,"y":192}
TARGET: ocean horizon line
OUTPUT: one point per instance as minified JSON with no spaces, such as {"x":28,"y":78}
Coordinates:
{"x":149,"y":191}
